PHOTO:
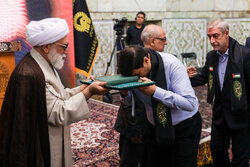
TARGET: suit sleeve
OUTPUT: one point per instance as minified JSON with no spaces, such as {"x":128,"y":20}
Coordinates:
{"x":246,"y":64}
{"x":202,"y":77}
{"x":248,"y":42}
{"x":246,"y":59}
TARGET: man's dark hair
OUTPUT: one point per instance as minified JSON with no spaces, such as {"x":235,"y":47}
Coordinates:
{"x":130,"y":58}
{"x":141,"y":12}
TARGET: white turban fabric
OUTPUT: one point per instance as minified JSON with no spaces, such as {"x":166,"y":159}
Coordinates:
{"x":46,"y":31}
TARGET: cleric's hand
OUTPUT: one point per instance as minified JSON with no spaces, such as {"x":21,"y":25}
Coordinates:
{"x":96,"y":87}
{"x":147,"y":90}
{"x":83,"y":86}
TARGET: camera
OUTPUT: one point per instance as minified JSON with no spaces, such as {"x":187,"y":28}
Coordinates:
{"x":119,"y":26}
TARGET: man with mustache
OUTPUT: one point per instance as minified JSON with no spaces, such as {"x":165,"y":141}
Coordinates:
{"x":37,"y":109}
{"x":227,"y":73}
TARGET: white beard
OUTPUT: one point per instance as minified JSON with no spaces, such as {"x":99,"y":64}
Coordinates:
{"x":56,"y":59}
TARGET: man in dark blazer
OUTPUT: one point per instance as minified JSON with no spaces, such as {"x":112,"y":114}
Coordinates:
{"x":227,"y":73}
{"x":248,"y":42}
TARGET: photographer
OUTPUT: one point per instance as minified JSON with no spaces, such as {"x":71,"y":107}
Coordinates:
{"x":134,"y":31}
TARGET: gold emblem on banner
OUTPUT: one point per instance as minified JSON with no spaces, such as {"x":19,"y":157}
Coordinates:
{"x":210,"y":80}
{"x":161,"y":114}
{"x":82,"y":22}
{"x":237,"y":87}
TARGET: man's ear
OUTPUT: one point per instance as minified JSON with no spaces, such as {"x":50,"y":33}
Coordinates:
{"x":46,"y":48}
{"x":152,"y":42}
{"x":146,"y":59}
{"x":227,"y":32}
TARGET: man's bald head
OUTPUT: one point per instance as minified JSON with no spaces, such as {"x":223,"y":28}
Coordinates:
{"x":153,"y":37}
{"x":150,"y":31}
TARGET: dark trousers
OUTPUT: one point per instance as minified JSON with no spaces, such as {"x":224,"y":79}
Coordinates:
{"x":137,"y":154}
{"x":220,"y":143}
{"x":184,"y":151}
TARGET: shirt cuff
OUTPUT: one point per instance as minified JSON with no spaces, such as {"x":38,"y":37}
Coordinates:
{"x":159,"y":93}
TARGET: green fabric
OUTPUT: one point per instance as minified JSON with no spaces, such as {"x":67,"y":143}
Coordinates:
{"x":119,"y":82}
{"x":117,"y":79}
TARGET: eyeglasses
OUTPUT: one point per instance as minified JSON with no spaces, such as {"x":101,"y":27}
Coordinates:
{"x":64,"y":46}
{"x":162,"y":39}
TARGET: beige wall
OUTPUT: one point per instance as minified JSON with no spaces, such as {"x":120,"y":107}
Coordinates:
{"x":160,"y":9}
{"x":184,"y":22}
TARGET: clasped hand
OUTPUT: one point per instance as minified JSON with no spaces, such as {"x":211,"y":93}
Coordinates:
{"x":191,"y":70}
{"x":147,"y":90}
{"x":96,"y":87}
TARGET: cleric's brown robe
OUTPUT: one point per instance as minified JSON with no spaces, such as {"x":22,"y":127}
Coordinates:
{"x":24,"y":137}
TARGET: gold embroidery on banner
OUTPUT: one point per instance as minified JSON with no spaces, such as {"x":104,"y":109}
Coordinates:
{"x":92,"y":53}
{"x":82,"y":22}
{"x":237,"y":87}
{"x":210,"y":80}
{"x":204,"y":156}
{"x":161,"y":114}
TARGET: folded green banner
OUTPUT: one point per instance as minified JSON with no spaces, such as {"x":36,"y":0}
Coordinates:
{"x":119,"y":82}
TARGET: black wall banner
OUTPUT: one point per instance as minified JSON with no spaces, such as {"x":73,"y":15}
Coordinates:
{"x":85,"y":40}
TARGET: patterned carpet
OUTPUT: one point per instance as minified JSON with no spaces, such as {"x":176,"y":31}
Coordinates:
{"x":94,"y":142}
